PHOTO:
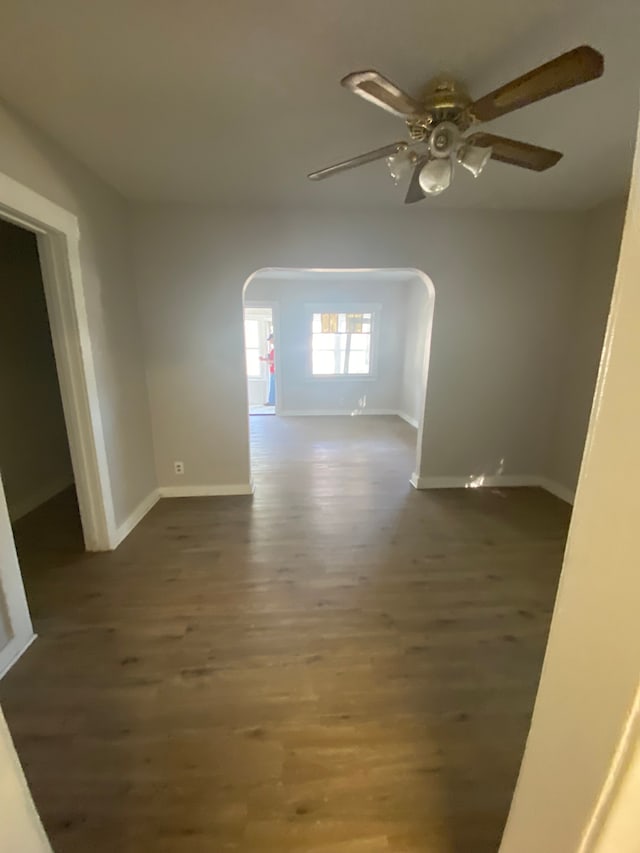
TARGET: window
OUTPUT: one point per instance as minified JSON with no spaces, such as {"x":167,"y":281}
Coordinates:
{"x":341,"y":344}
{"x":252,"y":345}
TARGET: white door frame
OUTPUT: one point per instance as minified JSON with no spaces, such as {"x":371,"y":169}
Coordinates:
{"x":58,"y":239}
{"x":259,"y":314}
{"x":275,"y":322}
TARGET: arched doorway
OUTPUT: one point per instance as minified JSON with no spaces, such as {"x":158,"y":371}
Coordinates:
{"x":348,"y":342}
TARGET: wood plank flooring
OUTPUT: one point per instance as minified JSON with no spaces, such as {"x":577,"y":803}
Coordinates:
{"x":338,"y":664}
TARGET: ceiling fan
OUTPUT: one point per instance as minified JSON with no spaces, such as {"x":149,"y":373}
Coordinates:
{"x":438,"y":121}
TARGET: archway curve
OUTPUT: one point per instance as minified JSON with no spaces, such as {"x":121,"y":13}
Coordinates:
{"x":417,"y":478}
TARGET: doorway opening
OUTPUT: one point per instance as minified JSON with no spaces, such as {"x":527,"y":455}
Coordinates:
{"x":260,"y":352}
{"x":350,"y":344}
{"x":49,"y":376}
{"x":35,"y":457}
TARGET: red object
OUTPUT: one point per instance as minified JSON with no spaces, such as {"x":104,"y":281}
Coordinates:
{"x":271,"y":358}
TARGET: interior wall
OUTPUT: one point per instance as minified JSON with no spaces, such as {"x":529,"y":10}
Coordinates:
{"x":302,"y":393}
{"x":416,"y":326}
{"x":584,"y":338}
{"x":30,"y":158}
{"x":5,"y":624}
{"x":503,"y":283}
{"x":34,"y":449}
{"x":590,"y":676}
{"x":20,"y":827}
{"x":105,"y":255}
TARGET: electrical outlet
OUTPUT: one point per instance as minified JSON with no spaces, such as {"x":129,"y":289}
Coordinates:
{"x":178,"y":467}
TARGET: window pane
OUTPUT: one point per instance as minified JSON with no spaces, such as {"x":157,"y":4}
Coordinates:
{"x":326,"y":342}
{"x":334,"y":334}
{"x":251,"y":333}
{"x":329,"y":322}
{"x":323,"y":363}
{"x":253,"y":363}
{"x":360,"y":342}
{"x":358,"y":362}
{"x":354,"y":323}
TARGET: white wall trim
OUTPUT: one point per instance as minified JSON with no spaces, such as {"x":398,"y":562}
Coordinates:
{"x":13,"y":599}
{"x":557,"y":489}
{"x":494,"y":481}
{"x":473,"y":481}
{"x":134,"y":518}
{"x":611,"y":795}
{"x":13,"y":651}
{"x":58,"y":237}
{"x":303,"y":413}
{"x":205,"y":491}
{"x":411,"y":421}
{"x":335,"y":413}
{"x":40,"y":496}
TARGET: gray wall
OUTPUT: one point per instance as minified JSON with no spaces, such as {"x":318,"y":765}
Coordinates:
{"x":301,"y":392}
{"x":34,"y":451}
{"x":30,"y":158}
{"x":103,"y":216}
{"x":584,"y":336}
{"x":504,"y":282}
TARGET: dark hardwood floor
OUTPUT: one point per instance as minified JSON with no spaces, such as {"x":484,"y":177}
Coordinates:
{"x":338,"y":664}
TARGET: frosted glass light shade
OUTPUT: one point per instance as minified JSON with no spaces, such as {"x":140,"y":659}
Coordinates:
{"x":400,"y":165}
{"x":435,"y":176}
{"x":474,"y":158}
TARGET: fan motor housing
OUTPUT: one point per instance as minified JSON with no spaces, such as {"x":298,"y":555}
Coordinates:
{"x":445,"y":100}
{"x":445,"y":93}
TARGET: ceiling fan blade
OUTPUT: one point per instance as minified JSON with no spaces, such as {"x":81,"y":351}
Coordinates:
{"x":570,"y":69}
{"x":373,"y":87}
{"x":515,"y":152}
{"x":414,"y":193}
{"x":369,"y":157}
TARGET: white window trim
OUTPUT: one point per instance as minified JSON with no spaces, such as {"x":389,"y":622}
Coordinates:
{"x":259,"y":349}
{"x":373,"y":308}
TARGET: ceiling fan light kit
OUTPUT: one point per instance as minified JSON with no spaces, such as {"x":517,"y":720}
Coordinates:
{"x":435,"y":176}
{"x":401,"y":164}
{"x":474,"y":157}
{"x":438,"y":121}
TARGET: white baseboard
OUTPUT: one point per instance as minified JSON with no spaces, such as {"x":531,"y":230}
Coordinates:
{"x":152,"y":499}
{"x":491,"y":481}
{"x":134,"y":518}
{"x":205,"y":491}
{"x":39,"y":496}
{"x":405,"y":417}
{"x":333,"y":413}
{"x":341,"y":413}
{"x":557,"y":489}
{"x":13,"y":651}
{"x":494,"y":481}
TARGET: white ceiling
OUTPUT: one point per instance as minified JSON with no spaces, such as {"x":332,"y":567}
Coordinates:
{"x":233,"y":102}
